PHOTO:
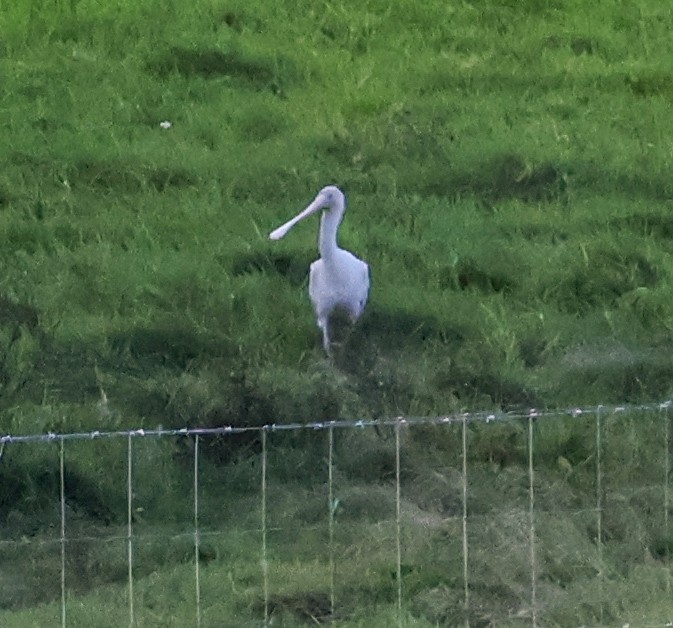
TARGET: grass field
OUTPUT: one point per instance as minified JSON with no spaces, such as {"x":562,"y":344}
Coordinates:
{"x":508,"y":171}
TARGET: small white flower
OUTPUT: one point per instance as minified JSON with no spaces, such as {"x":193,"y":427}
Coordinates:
{"x":166,"y":124}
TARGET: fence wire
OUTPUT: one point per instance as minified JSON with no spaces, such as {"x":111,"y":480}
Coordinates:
{"x":461,"y":421}
{"x":449,"y":419}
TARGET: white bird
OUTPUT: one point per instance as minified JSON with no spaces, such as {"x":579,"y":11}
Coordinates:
{"x":338,"y":280}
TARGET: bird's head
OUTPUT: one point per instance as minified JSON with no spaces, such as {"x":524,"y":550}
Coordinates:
{"x":328,"y":198}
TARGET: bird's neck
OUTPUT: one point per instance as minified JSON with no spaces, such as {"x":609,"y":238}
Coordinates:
{"x":329,"y":224}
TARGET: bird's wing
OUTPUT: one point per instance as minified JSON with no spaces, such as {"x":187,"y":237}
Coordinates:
{"x":366,"y":283}
{"x":315,"y":283}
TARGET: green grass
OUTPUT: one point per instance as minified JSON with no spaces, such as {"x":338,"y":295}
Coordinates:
{"x":507,"y":166}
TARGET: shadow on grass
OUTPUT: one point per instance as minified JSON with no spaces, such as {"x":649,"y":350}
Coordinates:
{"x":209,"y":63}
{"x":129,"y":177}
{"x":503,"y":176}
{"x":17,"y":314}
{"x":657,"y":225}
{"x":471,"y":274}
{"x":30,"y":488}
{"x":108,"y":174}
{"x":166,"y":346}
{"x":510,"y":176}
{"x":379,"y":357}
{"x":294,"y":267}
{"x":396,"y":329}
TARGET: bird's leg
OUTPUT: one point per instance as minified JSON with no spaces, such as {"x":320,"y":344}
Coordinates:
{"x":322,"y":324}
{"x":326,"y":342}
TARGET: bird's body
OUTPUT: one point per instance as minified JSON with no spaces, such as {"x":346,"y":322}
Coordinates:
{"x":338,"y":281}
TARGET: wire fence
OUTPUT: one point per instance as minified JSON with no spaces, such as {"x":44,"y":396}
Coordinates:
{"x":480,"y":541}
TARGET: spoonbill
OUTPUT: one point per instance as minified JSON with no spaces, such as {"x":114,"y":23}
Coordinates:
{"x":338,"y":281}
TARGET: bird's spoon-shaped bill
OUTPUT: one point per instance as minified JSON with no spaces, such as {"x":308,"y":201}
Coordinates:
{"x":277,"y":234}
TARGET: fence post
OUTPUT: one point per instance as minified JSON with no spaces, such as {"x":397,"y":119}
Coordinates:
{"x":129,"y":523}
{"x":62,"y":485}
{"x":265,"y":564}
{"x":531,"y":518}
{"x":398,"y":542}
{"x":196,"y":532}
{"x":466,"y":600}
